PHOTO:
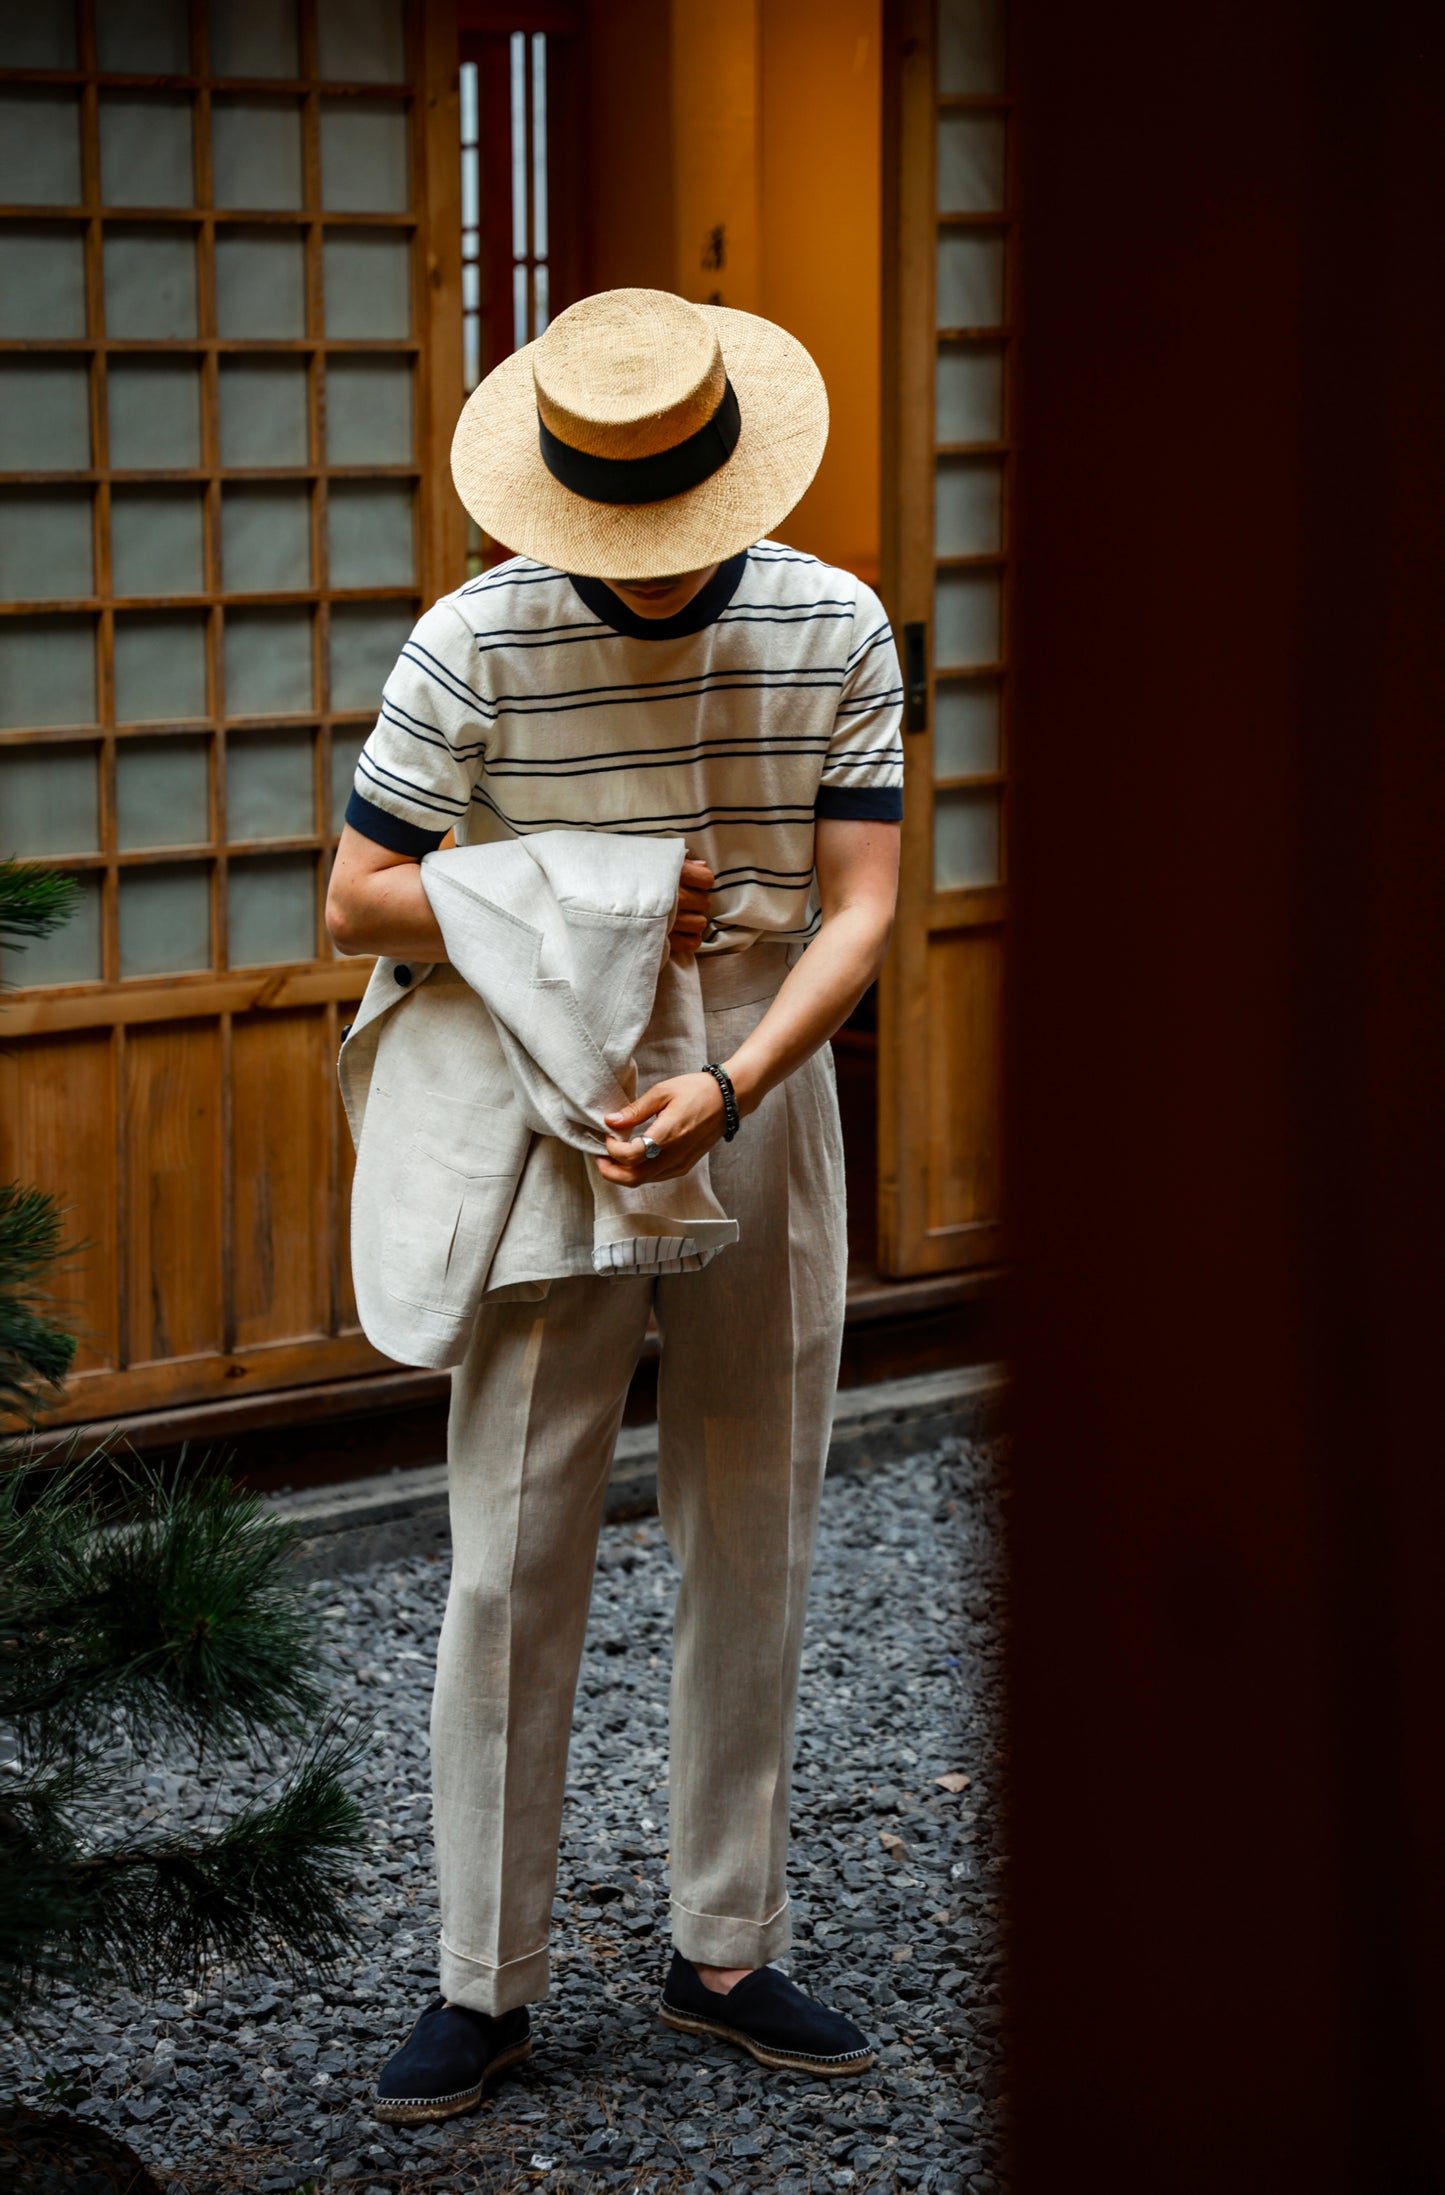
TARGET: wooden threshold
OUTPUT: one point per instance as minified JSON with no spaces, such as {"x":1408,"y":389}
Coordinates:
{"x":872,"y":1303}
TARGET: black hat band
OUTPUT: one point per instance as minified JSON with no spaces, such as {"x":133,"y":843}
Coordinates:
{"x":646,"y":479}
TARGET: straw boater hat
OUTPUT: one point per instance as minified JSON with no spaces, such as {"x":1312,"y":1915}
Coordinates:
{"x":642,"y":436}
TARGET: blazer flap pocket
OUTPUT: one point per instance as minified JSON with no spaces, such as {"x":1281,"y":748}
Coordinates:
{"x":442,"y":1231}
{"x":465,"y":1137}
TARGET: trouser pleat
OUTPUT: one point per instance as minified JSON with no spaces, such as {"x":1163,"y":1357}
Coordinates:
{"x":749,"y":1368}
{"x":535,"y":1413}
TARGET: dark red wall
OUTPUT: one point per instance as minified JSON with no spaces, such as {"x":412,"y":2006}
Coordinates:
{"x":1227,"y":1081}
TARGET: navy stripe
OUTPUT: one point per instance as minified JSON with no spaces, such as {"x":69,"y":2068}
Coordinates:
{"x":697,"y":819}
{"x":666,"y":758}
{"x":427,"y":734}
{"x":859,"y":804}
{"x":790,"y":877}
{"x":389,"y":830}
{"x":629,"y":697}
{"x":535,"y":575}
{"x":388,"y":780}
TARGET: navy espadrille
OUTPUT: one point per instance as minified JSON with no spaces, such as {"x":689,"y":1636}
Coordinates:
{"x":447,"y":2060}
{"x":769,"y":2016}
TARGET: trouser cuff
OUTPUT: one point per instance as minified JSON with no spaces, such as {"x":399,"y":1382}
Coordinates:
{"x":494,"y":1989}
{"x":715,"y":1939}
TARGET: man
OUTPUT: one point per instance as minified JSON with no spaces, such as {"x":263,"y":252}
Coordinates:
{"x":650,"y":663}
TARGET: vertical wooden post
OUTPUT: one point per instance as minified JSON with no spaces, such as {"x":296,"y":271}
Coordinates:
{"x":1227,"y":1524}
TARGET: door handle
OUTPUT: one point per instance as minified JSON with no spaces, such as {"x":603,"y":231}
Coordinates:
{"x":915,"y":677}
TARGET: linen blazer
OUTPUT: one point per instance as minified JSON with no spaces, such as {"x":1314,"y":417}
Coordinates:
{"x":557,"y":970}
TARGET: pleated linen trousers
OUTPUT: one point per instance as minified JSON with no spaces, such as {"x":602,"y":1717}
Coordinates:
{"x":745,"y":1397}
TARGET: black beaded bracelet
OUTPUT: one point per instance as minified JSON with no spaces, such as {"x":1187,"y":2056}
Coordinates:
{"x":724,"y":1082}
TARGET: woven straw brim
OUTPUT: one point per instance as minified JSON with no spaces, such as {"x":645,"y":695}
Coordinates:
{"x":500,"y":476}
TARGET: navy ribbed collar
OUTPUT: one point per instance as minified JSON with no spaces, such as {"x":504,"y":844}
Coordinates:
{"x":704,"y":609}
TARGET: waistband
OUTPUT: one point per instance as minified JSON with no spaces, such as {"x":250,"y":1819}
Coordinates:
{"x":739,"y":979}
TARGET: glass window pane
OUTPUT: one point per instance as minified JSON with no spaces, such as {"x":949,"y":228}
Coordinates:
{"x":39,"y":146}
{"x":965,"y":840}
{"x":970,"y":163}
{"x":969,"y":392}
{"x":263,"y":411}
{"x":150,"y":283}
{"x":49,"y":803}
{"x":366,"y":639}
{"x":155,"y":413}
{"x":149,"y":37}
{"x":270,"y":791}
{"x":160,"y":666}
{"x":368,"y":411}
{"x":145,"y":149}
{"x":271,"y":909}
{"x":47,"y":671}
{"x":363,"y":156}
{"x":970,"y":281}
{"x":44,"y":414}
{"x":968,"y":506}
{"x":70,"y":954}
{"x":155,"y":541}
{"x":265,"y":539}
{"x":33,"y":37}
{"x":968,"y":619}
{"x":368,"y":283}
{"x":970,"y":46}
{"x":256,"y":151}
{"x":268,"y":662}
{"x":260,"y":283}
{"x":345,"y":749}
{"x":965,"y":728}
{"x":254,"y":38}
{"x":370,"y":534}
{"x":42,"y":280}
{"x":362,"y":41}
{"x":162,"y":793}
{"x":165,"y":920}
{"x":45,"y":544}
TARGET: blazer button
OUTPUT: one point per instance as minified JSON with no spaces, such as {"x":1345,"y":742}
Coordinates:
{"x":402,"y":974}
{"x":345,"y":1031}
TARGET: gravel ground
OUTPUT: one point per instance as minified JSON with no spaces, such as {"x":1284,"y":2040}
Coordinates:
{"x":895,"y":1880}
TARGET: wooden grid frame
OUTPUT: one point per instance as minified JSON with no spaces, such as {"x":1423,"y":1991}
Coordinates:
{"x":102,"y":1080}
{"x":436,"y":547}
{"x":940,"y":1013}
{"x":1001,"y":336}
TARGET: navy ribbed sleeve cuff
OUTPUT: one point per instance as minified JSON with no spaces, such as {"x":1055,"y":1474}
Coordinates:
{"x":860,"y":803}
{"x":389,"y":830}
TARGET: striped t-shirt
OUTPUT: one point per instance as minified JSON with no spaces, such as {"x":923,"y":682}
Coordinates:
{"x":529,"y":700}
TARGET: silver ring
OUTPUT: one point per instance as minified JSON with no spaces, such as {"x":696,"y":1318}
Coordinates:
{"x":651,"y":1149}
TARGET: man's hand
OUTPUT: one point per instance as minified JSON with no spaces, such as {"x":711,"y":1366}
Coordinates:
{"x":684,"y":1117}
{"x":690,"y":918}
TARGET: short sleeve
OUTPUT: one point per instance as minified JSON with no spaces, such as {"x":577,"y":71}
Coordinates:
{"x":862,"y":777}
{"x":415,"y":774}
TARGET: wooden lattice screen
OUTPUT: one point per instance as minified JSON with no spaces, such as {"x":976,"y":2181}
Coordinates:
{"x":230,"y":362}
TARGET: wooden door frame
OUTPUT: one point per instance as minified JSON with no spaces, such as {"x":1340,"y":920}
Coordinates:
{"x":908,"y":1107}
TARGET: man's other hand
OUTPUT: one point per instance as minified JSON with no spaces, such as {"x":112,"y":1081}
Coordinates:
{"x":690,"y":917}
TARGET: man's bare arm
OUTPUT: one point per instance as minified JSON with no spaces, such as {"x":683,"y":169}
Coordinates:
{"x":376,"y":903}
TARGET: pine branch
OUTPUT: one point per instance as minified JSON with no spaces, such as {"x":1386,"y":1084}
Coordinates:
{"x":184,"y":1614}
{"x":34,"y":1351}
{"x":33,"y":902}
{"x":270,"y":1888}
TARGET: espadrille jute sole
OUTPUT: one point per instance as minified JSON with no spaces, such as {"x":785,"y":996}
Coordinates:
{"x":405,"y":2111}
{"x":782,"y":2061}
